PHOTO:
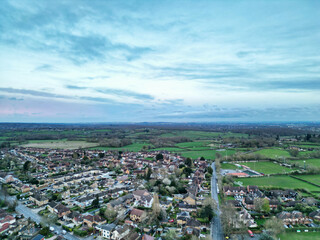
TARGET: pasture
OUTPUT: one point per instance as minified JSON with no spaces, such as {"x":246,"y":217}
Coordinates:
{"x":309,"y":162}
{"x":267,"y":167}
{"x":273,"y":153}
{"x":278,"y":181}
{"x":311,"y":178}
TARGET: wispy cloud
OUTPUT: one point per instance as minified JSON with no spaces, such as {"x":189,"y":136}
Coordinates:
{"x":162,"y":59}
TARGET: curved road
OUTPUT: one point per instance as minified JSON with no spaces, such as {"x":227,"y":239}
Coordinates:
{"x":216,"y":229}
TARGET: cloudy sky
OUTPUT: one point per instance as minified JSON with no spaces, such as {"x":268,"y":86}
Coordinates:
{"x":174,"y":61}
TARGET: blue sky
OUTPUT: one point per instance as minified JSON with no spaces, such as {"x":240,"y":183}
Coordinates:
{"x":175,"y":61}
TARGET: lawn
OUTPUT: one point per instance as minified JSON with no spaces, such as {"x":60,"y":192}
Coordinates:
{"x":300,"y":236}
{"x":273,"y":153}
{"x":278,"y":181}
{"x":311,"y":178}
{"x":59,"y":144}
{"x":311,"y":162}
{"x":267,"y":167}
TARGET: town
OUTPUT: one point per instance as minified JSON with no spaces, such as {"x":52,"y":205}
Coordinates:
{"x":115,"y":193}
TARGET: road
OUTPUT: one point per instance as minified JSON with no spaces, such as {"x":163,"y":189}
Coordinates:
{"x":216,"y":229}
{"x":29,"y":213}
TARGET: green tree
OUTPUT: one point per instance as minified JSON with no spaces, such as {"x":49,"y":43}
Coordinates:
{"x":95,"y":202}
{"x":159,"y":156}
{"x":171,"y":235}
{"x":210,"y":170}
{"x":26,"y":166}
{"x":101,"y":154}
{"x":294,"y":152}
{"x":265,"y":206}
{"x":188,"y":162}
{"x":45,"y":231}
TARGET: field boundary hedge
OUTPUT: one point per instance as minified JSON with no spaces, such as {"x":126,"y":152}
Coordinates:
{"x":303,"y":180}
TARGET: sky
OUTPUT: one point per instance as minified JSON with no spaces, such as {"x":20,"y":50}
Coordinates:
{"x":159,"y":61}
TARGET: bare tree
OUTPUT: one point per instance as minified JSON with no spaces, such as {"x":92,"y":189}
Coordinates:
{"x":274,"y":226}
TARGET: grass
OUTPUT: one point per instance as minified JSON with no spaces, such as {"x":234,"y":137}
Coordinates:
{"x":278,"y":181}
{"x":229,"y":166}
{"x":193,"y":144}
{"x":59,"y":144}
{"x":207,"y":154}
{"x":311,"y":178}
{"x":300,"y":236}
{"x":267,"y":167}
{"x":273,"y":153}
{"x":135,"y":147}
{"x":202,"y":134}
{"x":311,"y":162}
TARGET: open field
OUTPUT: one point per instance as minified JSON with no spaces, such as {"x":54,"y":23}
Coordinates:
{"x":135,"y":147}
{"x":61,"y":144}
{"x":202,"y":134}
{"x":311,"y":162}
{"x":229,"y":166}
{"x":193,"y":144}
{"x":300,"y":236}
{"x":207,"y":154}
{"x":273,"y":153}
{"x":267,"y":167}
{"x":278,"y":181}
{"x":311,"y":178}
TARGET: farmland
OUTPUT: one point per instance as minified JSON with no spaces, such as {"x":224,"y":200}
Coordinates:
{"x":311,"y":162}
{"x":278,"y":181}
{"x":273,"y":153}
{"x":311,"y":178}
{"x":267,"y":167}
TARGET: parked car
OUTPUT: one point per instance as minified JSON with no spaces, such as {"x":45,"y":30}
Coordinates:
{"x":250,"y":233}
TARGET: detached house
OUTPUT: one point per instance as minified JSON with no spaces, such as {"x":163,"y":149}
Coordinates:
{"x":137,"y":215}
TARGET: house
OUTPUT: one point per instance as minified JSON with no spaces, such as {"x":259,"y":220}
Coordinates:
{"x":38,"y":237}
{"x":38,"y":198}
{"x":315,"y":215}
{"x":190,"y":200}
{"x":137,"y":215}
{"x":106,"y":230}
{"x":90,"y":220}
{"x":147,"y":237}
{"x":293,"y":218}
{"x":232,"y":191}
{"x":120,"y":232}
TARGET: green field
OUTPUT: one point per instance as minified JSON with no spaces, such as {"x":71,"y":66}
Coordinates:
{"x":278,"y":181}
{"x":273,"y":153}
{"x":202,"y":134}
{"x":229,"y":166}
{"x":135,"y":147}
{"x":207,"y":154}
{"x":300,"y":236}
{"x":267,"y":167}
{"x":311,"y":178}
{"x":59,"y":144}
{"x":311,"y":162}
{"x":193,"y":144}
